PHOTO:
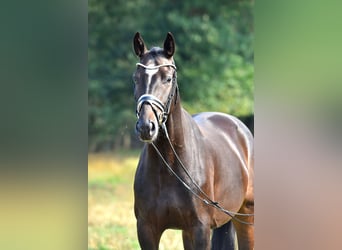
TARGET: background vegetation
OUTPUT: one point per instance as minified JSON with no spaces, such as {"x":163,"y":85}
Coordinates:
{"x":214,"y":57}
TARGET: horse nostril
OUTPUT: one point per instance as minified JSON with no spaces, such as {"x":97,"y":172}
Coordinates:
{"x":152,"y":126}
{"x":148,"y":126}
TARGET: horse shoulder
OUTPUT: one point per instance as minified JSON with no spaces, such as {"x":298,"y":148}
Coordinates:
{"x":215,"y":125}
{"x":230,"y":142}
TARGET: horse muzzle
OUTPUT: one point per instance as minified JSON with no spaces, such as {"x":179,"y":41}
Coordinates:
{"x":150,"y":113}
{"x":146,"y":130}
{"x":147,"y":125}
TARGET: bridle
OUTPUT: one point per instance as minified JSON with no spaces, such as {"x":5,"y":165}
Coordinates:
{"x":154,"y":101}
{"x":162,"y":118}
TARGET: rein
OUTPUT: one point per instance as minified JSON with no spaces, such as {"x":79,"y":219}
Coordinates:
{"x":165,"y":111}
{"x":206,"y":198}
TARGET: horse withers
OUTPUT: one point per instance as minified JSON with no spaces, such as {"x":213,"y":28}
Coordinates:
{"x":195,"y":173}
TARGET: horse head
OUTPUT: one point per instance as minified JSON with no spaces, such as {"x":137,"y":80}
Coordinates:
{"x":155,"y":86}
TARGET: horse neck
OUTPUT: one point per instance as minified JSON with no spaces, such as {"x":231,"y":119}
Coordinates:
{"x":176,"y":126}
{"x":180,"y":126}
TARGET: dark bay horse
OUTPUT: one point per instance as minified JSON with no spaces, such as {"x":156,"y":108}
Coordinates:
{"x":195,"y":173}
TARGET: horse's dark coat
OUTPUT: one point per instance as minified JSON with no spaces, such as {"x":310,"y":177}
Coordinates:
{"x":217,"y":150}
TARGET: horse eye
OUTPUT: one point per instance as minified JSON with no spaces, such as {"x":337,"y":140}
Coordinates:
{"x":168,"y":79}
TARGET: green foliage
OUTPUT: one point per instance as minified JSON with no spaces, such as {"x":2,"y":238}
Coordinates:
{"x":214,"y":56}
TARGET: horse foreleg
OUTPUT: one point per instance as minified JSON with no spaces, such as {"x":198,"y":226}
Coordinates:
{"x":223,"y":238}
{"x":148,"y":236}
{"x":196,"y":238}
{"x":245,"y":233}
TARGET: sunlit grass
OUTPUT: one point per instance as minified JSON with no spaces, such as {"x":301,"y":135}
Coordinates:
{"x":111,"y":221}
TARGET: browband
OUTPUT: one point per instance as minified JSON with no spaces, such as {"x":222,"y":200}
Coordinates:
{"x":156,"y":66}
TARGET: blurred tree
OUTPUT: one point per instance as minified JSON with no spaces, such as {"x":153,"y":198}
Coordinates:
{"x":214,"y":57}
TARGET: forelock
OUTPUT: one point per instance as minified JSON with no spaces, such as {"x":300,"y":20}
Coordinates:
{"x":153,"y":54}
{"x":156,"y":51}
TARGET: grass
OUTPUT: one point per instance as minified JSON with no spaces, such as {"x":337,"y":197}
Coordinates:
{"x":111,"y":221}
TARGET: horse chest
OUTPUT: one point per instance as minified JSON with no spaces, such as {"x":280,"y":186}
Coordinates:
{"x":167,"y":202}
{"x":176,"y":208}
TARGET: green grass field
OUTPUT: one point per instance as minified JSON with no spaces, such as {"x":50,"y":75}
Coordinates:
{"x":111,"y":221}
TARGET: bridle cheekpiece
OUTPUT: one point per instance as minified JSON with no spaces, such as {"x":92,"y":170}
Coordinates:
{"x":154,"y":101}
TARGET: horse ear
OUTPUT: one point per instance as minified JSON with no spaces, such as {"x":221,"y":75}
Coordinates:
{"x":139,"y":45}
{"x":169,"y":45}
